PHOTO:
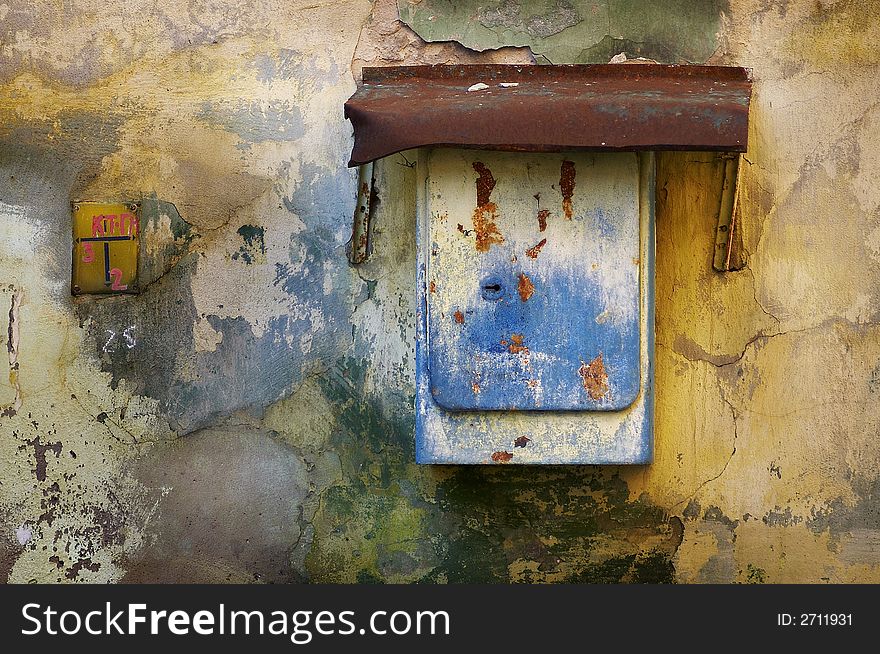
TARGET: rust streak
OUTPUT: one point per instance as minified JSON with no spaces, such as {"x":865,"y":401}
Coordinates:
{"x":432,"y":286}
{"x":525,"y":287}
{"x":516,"y":344}
{"x":533,"y":253}
{"x":594,"y":378}
{"x":475,"y":387}
{"x":543,"y":214}
{"x":486,"y":213}
{"x":485,"y":183}
{"x":485,"y":228}
{"x":459,"y":317}
{"x":502,"y":457}
{"x":566,"y":185}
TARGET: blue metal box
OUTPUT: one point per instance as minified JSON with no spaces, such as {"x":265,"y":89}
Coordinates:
{"x":535,"y":296}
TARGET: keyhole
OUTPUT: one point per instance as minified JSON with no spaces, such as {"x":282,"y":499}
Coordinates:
{"x":491,"y":288}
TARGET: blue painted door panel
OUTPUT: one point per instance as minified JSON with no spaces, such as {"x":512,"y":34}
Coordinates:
{"x":533,"y":298}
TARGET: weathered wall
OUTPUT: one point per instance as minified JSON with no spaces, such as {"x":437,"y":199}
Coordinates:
{"x":260,"y":426}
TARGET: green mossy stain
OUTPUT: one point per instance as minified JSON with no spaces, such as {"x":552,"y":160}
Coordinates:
{"x":654,"y":567}
{"x":755,"y":575}
{"x":555,"y":518}
{"x":391,"y":520}
{"x":369,"y":527}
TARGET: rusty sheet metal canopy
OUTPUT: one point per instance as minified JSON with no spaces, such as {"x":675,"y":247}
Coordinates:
{"x":550,"y":108}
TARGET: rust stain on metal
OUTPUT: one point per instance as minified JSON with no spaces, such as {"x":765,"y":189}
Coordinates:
{"x":485,"y":183}
{"x":566,"y":185}
{"x":502,"y":457}
{"x":360,"y":231}
{"x":533,"y":253}
{"x":459,"y":317}
{"x":594,"y":378}
{"x":485,"y":228}
{"x":516,"y":344}
{"x":522,"y":441}
{"x":475,"y":387}
{"x":485,"y":214}
{"x":543,"y":214}
{"x":525,"y":287}
{"x":558,"y":108}
{"x":432,"y":286}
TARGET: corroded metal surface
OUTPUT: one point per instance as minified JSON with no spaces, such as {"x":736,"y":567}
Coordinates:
{"x":534,"y":346}
{"x":555,"y":331}
{"x":726,"y":220}
{"x":360,"y":231}
{"x":550,"y":108}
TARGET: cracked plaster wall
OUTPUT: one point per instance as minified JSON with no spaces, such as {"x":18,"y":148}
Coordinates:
{"x":255,"y":424}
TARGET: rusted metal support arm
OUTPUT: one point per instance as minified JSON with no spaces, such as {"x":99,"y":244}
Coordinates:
{"x":726,"y":219}
{"x":359,"y":248}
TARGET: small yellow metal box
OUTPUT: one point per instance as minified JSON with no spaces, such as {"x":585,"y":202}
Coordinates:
{"x":105,"y":247}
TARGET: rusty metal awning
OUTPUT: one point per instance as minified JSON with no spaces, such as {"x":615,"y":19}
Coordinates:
{"x":550,"y":108}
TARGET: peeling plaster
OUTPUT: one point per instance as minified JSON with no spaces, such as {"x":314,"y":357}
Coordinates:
{"x":259,"y":426}
{"x":573,"y":31}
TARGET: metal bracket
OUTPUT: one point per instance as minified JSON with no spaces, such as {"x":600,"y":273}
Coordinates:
{"x":727,"y":204}
{"x":360,"y":231}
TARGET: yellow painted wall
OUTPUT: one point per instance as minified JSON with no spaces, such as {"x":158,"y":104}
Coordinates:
{"x":266,"y":373}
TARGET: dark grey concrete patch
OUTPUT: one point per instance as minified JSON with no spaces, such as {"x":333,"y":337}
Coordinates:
{"x":156,"y":259}
{"x":229,"y":504}
{"x":842,"y":517}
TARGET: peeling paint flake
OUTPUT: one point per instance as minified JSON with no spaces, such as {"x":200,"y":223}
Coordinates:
{"x":543,"y":214}
{"x":533,"y":252}
{"x":486,"y":212}
{"x":566,"y":185}
{"x":516,"y":344}
{"x":573,"y":31}
{"x":525,"y":287}
{"x":594,"y":378}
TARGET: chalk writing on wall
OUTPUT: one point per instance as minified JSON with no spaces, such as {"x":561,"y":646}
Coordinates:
{"x":120,"y":340}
